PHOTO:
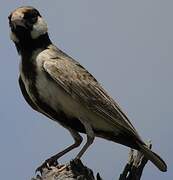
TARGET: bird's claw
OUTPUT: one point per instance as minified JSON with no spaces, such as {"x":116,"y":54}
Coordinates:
{"x":40,"y":169}
{"x":46,"y":165}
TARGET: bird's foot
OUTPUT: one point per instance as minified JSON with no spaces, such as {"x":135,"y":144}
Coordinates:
{"x":76,"y":162}
{"x":76,"y":159}
{"x":47,"y":165}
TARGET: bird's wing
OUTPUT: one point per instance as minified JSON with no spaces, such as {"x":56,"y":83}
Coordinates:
{"x":84,"y":88}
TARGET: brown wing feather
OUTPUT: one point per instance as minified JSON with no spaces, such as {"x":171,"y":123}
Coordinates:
{"x":82,"y":86}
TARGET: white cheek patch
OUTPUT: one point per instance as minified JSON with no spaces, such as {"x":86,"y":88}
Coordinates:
{"x":13,"y":37}
{"x":39,"y":28}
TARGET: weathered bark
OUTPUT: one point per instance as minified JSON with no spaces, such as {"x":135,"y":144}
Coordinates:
{"x":75,"y":170}
{"x":135,"y":165}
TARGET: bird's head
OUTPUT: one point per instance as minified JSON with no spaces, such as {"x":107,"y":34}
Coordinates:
{"x":26,"y":24}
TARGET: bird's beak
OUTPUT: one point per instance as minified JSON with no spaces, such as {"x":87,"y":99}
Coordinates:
{"x":16,"y":20}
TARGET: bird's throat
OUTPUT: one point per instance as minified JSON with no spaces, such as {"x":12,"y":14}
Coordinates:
{"x":27,"y":45}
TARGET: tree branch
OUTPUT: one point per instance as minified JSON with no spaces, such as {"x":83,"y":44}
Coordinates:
{"x":135,"y":165}
{"x":75,"y":170}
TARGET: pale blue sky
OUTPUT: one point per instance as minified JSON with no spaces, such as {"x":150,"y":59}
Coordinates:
{"x":128,"y":47}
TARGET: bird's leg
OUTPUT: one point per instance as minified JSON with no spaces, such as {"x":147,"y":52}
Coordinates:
{"x":90,"y":138}
{"x":53,"y":160}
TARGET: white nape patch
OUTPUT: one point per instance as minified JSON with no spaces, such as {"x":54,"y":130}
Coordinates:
{"x":13,"y":37}
{"x":39,"y":28}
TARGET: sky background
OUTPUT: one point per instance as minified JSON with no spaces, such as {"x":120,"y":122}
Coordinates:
{"x":128,"y":47}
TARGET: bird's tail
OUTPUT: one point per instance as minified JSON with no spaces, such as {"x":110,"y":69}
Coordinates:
{"x":153,"y":157}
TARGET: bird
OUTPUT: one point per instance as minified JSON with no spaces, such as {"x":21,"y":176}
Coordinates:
{"x":56,"y":85}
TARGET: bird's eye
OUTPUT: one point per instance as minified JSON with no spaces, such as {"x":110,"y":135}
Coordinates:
{"x":31,"y":17}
